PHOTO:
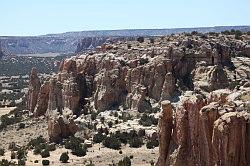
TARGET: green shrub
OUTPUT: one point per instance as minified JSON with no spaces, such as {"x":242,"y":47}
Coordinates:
{"x":110,"y":124}
{"x":125,"y":162}
{"x":238,"y":34}
{"x":135,"y":142}
{"x":140,"y":39}
{"x":98,"y":137}
{"x":93,"y":115}
{"x":21,"y":162}
{"x":143,"y":61}
{"x":12,"y":155}
{"x":194,"y":33}
{"x":75,"y":145}
{"x":147,"y":120}
{"x":112,"y":142}
{"x":21,"y":125}
{"x":64,"y":157}
{"x":45,"y":153}
{"x":37,"y":141}
{"x":248,"y":33}
{"x":1,"y":152}
{"x":21,"y":153}
{"x":50,"y":147}
{"x":45,"y":162}
{"x":37,"y":150}
{"x":151,"y":144}
{"x":79,"y":150}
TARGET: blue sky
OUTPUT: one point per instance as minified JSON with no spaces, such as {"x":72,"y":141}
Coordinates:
{"x":36,"y":17}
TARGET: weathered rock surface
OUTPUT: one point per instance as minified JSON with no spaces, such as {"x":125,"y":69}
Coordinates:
{"x":59,"y":127}
{"x":138,"y":74}
{"x":34,"y":88}
{"x":208,"y":131}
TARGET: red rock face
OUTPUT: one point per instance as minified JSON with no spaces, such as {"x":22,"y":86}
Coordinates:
{"x":34,"y":88}
{"x":206,"y":133}
{"x":59,"y":127}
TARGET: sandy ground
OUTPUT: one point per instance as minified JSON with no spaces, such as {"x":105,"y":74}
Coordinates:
{"x":100,"y":155}
{"x":6,"y":110}
{"x":103,"y":157}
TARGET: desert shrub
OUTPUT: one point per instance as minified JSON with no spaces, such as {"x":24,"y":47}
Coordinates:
{"x":12,"y":155}
{"x":93,"y":115}
{"x":232,"y":31}
{"x":110,"y":124}
{"x":147,"y":120}
{"x":21,"y":162}
{"x":122,"y":62}
{"x":151,"y":144}
{"x":125,"y":162}
{"x":79,"y":150}
{"x":75,"y":144}
{"x":37,"y":141}
{"x":6,"y":120}
{"x":123,"y":137}
{"x":152,"y":40}
{"x":45,"y":153}
{"x":102,"y":119}
{"x":140,"y":39}
{"x":152,"y":163}
{"x":21,"y":153}
{"x":238,"y":34}
{"x":37,"y":150}
{"x":143,"y":61}
{"x":45,"y":162}
{"x":194,"y":33}
{"x":112,"y":142}
{"x":72,"y":142}
{"x":99,"y":137}
{"x":21,"y":125}
{"x":120,"y":151}
{"x":135,"y":142}
{"x":226,"y":32}
{"x":50,"y":147}
{"x":64,"y":157}
{"x":36,"y":161}
{"x":1,"y":152}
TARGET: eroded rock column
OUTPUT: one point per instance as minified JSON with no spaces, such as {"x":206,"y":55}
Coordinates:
{"x":165,"y":127}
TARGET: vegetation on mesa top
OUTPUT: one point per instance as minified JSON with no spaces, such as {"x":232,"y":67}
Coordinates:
{"x":22,"y":65}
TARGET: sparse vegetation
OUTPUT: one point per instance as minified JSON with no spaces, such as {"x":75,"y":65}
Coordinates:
{"x":148,"y":120}
{"x":45,"y":153}
{"x":99,"y":137}
{"x":75,"y":144}
{"x":45,"y":162}
{"x":135,"y":142}
{"x":151,"y":144}
{"x":112,"y":142}
{"x":64,"y":157}
{"x":2,"y":151}
{"x":125,"y":162}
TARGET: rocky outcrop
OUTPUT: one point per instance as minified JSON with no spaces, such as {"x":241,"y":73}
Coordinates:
{"x":208,"y":131}
{"x":43,"y":99}
{"x":165,"y":127}
{"x":34,"y":88}
{"x":55,"y":103}
{"x":60,"y":127}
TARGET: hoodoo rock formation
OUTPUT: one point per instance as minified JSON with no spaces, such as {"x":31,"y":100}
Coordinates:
{"x":207,"y":131}
{"x":188,"y":71}
{"x":34,"y":88}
